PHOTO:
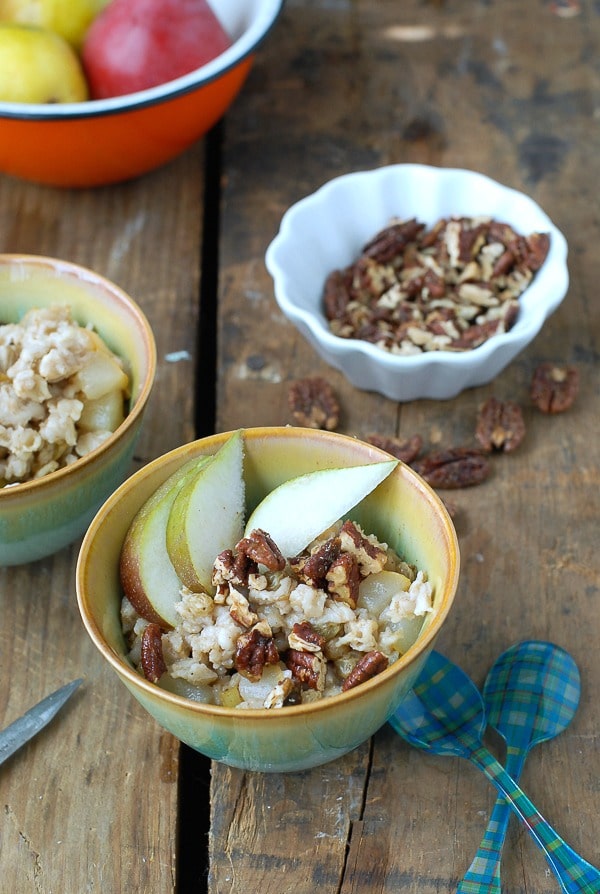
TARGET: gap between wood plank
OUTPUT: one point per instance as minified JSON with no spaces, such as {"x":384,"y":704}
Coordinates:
{"x":194,"y":768}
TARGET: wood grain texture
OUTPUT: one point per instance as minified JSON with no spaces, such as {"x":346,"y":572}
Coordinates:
{"x":91,"y":804}
{"x":510,"y":90}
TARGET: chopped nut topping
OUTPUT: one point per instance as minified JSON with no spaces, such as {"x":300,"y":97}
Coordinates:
{"x":448,"y":288}
{"x":371,"y":557}
{"x":254,"y":650}
{"x":152,"y":660}
{"x":304,"y":638}
{"x":308,"y":668}
{"x":343,"y":579}
{"x":366,"y":667}
{"x":260,"y":549}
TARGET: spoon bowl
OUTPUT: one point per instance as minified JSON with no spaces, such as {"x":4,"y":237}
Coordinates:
{"x":531,"y":694}
{"x":445,"y":714}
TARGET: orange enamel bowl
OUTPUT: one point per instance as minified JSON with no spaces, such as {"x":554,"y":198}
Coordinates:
{"x":107,"y":141}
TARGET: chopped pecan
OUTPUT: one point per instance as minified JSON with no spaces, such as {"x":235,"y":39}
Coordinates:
{"x":308,"y":668}
{"x":343,"y":579}
{"x":391,"y":242}
{"x":261,"y":549}
{"x":152,"y":660}
{"x":305,"y":638}
{"x":448,"y":288}
{"x":254,"y":650}
{"x":313,"y":403}
{"x":453,"y":468}
{"x":404,"y":449}
{"x":371,"y":664}
{"x":500,"y":425}
{"x":313,"y":569}
{"x":232,"y":567}
{"x":371,"y":558}
{"x":240,"y":609}
{"x":554,"y":387}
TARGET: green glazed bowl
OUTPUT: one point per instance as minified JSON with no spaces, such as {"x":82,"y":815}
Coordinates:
{"x":403,"y":511}
{"x":40,"y":517}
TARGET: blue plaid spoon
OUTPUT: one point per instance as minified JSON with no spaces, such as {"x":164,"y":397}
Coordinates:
{"x":444,"y":714}
{"x":531,"y":695}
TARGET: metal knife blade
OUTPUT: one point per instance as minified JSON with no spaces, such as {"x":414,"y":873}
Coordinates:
{"x":25,"y":728}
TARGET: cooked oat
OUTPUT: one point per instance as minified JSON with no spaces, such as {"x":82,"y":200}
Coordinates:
{"x":61,"y":393}
{"x":313,"y":627}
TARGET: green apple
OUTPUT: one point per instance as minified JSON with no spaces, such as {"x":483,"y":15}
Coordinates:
{"x":207,"y":516}
{"x":147,"y":575}
{"x":302,"y":508}
{"x":38,"y":66}
{"x":69,"y":18}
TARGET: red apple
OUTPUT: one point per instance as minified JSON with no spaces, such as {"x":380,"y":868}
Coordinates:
{"x":136,"y":44}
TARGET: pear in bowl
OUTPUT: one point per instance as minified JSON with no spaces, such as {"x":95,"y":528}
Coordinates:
{"x":402,"y":510}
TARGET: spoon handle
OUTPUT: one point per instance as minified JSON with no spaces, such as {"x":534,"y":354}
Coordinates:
{"x":576,"y":875}
{"x":483,"y":875}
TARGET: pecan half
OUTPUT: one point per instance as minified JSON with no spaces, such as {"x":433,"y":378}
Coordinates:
{"x":313,"y":403}
{"x":404,"y":449}
{"x":453,"y":468}
{"x":254,"y":650}
{"x":554,"y":387}
{"x":313,"y":569}
{"x":308,"y":668}
{"x":152,"y":661}
{"x":260,"y":548}
{"x":371,"y":664}
{"x":500,"y":425}
{"x":232,"y":568}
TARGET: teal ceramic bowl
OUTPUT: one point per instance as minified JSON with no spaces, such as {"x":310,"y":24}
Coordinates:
{"x":403,"y":511}
{"x":40,"y":517}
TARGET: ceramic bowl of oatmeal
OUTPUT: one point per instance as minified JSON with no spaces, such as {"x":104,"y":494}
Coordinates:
{"x":311,"y":723}
{"x":417,"y":281}
{"x":78,"y":359}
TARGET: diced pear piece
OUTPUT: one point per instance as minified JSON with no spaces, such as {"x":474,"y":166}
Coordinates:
{"x":302,"y":508}
{"x":147,"y":575}
{"x":207,"y":516}
{"x":106,"y":413}
{"x":100,"y":375}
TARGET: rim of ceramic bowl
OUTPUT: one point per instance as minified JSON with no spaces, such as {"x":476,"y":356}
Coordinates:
{"x":84,"y":273}
{"x":241,"y":48}
{"x":525,"y":328}
{"x":126,"y":671}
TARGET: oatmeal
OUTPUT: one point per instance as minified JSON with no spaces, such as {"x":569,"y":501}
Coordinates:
{"x":450,"y":287}
{"x":62,"y":393}
{"x":282,"y":630}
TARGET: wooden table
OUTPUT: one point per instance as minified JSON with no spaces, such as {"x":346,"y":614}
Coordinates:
{"x":106,"y":801}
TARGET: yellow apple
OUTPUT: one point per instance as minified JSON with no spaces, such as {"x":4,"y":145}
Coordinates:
{"x":69,"y":18}
{"x":38,"y":66}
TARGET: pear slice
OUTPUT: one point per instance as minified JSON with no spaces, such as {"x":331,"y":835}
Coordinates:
{"x":207,"y":516}
{"x":302,"y":508}
{"x":147,"y":575}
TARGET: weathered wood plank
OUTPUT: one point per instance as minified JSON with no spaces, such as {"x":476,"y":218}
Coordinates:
{"x":92,"y":803}
{"x":508,"y":90}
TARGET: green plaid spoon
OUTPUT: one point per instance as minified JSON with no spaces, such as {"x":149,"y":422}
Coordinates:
{"x":444,"y":714}
{"x":531,"y":695}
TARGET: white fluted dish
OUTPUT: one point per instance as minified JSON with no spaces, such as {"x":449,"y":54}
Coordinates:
{"x":327,"y":230}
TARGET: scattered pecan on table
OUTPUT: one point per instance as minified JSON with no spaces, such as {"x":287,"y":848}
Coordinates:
{"x":554,"y":387}
{"x":404,"y":449}
{"x":450,"y":287}
{"x":500,"y":425}
{"x":454,"y":467}
{"x":313,"y":403}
